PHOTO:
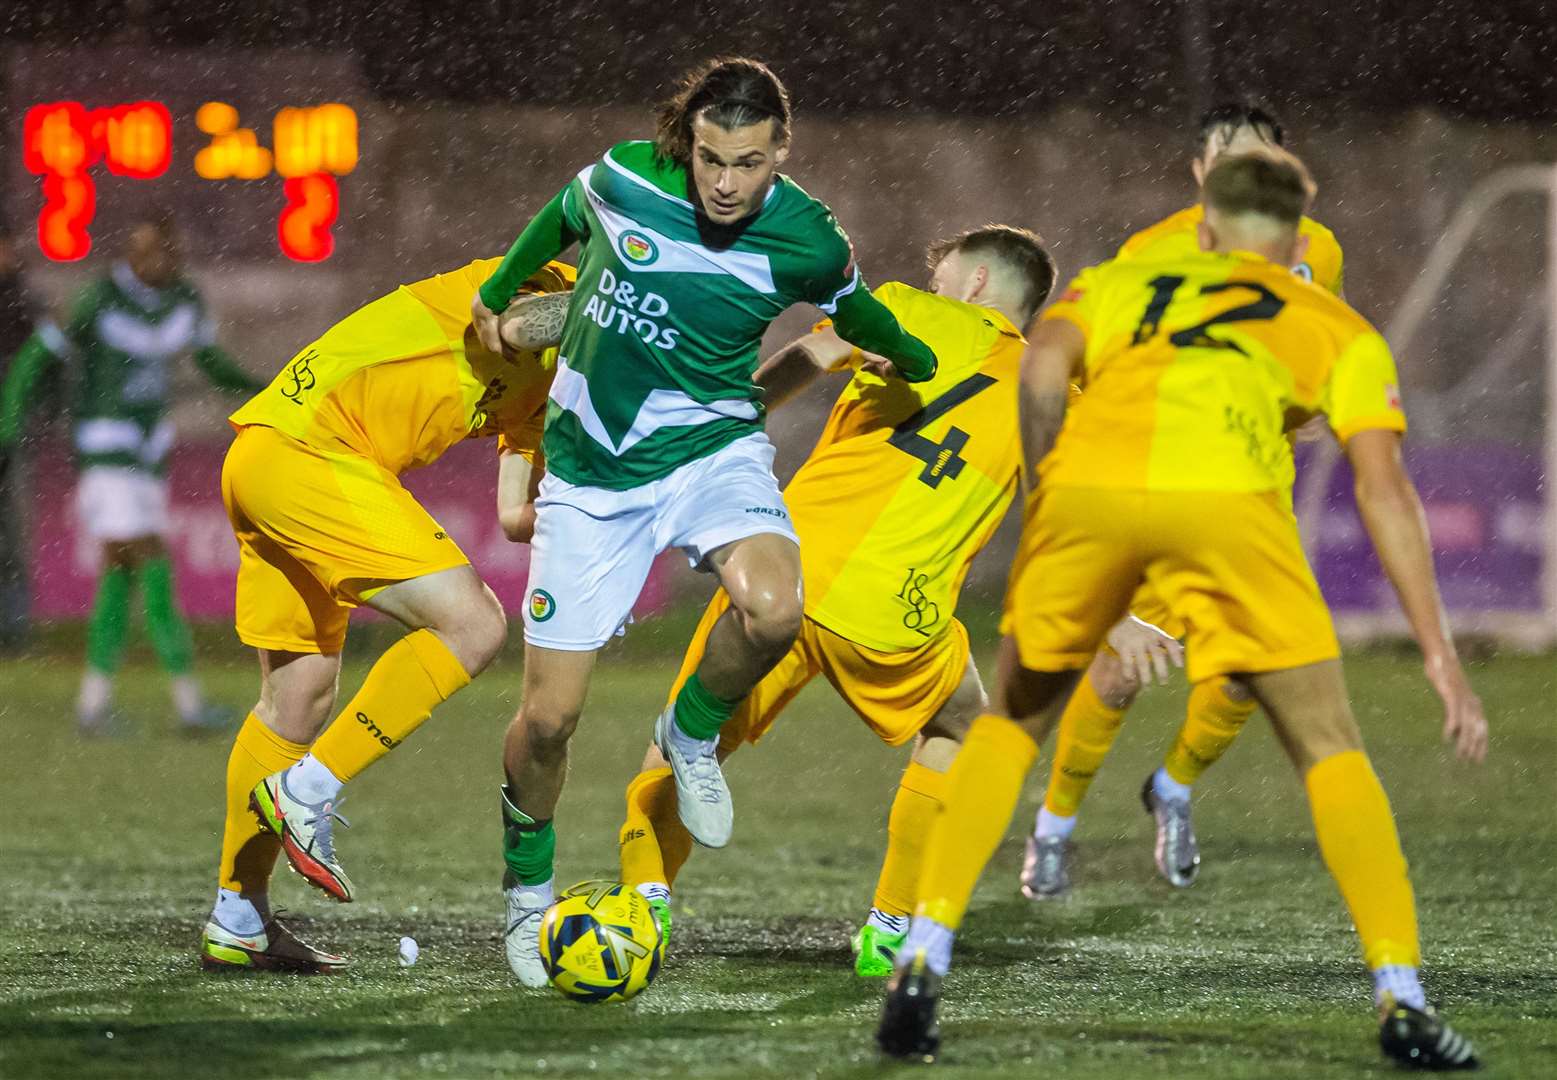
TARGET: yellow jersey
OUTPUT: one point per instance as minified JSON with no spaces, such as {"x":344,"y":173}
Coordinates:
{"x":1197,"y":367}
{"x":404,"y":378}
{"x":908,"y":480}
{"x":1177,"y":236}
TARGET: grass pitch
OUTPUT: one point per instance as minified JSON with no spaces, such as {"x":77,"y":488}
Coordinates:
{"x":108,"y":852}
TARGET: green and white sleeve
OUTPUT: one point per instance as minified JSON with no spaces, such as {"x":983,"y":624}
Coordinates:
{"x":29,"y":363}
{"x":864,"y":322}
{"x":557,"y":227}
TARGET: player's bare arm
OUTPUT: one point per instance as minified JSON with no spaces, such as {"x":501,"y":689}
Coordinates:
{"x":1392,"y":513}
{"x":1053,"y":355}
{"x":518,"y":482}
{"x":532,"y":322}
{"x":795,"y":366}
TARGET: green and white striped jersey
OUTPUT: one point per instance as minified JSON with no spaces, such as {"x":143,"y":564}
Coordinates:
{"x":660,"y":344}
{"x":120,"y":341}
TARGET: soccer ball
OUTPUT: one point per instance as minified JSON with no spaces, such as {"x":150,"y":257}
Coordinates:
{"x":600,"y":942}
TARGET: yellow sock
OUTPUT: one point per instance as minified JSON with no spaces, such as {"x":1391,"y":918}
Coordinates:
{"x":1357,"y":838}
{"x":918,"y":801}
{"x":1211,"y":722}
{"x":248,"y":850}
{"x":415,"y":674}
{"x":981,"y":792}
{"x":654,"y":843}
{"x":1088,"y":728}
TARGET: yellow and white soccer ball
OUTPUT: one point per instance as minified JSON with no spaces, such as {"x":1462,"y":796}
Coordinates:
{"x":600,"y":942}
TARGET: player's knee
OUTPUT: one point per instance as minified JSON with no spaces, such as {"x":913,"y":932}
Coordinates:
{"x":1113,"y":683}
{"x":485,"y":631}
{"x":547,"y":726}
{"x":1235,"y":689}
{"x":772,"y":618}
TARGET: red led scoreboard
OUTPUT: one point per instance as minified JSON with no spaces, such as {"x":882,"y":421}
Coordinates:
{"x":248,"y":149}
{"x":311,"y":145}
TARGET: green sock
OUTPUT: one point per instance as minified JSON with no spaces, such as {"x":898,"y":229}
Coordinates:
{"x":699,"y":714}
{"x":169,"y":632}
{"x":529,"y":846}
{"x":110,"y":620}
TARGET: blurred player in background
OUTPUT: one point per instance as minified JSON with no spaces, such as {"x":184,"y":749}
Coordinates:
{"x":1219,"y":706}
{"x":689,"y":247}
{"x":312,"y":487}
{"x":1172,"y":469}
{"x":120,"y":340}
{"x":905,"y":486}
{"x":17,"y":316}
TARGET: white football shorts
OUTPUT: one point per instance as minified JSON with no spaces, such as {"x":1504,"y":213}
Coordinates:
{"x":117,"y":503}
{"x":593,"y":547}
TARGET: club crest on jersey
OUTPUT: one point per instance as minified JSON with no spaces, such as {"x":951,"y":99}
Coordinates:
{"x":637,"y":248}
{"x":542,"y":606}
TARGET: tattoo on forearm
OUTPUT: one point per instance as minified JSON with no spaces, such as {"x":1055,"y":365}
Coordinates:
{"x":535,"y":322}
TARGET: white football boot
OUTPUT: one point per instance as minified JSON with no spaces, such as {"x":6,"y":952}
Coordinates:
{"x":702,"y":797}
{"x":527,"y":906}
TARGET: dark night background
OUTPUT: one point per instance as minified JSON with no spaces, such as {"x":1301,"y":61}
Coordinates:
{"x":1490,"y":61}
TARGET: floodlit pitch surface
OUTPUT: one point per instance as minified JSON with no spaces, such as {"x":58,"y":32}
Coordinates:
{"x":108,"y":850}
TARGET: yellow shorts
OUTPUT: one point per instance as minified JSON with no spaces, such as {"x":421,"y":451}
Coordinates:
{"x":318,"y":533}
{"x":1229,"y":564}
{"x":895,"y":693}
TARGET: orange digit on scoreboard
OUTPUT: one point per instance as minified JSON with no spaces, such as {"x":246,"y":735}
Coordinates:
{"x":303,"y":229}
{"x":57,"y":144}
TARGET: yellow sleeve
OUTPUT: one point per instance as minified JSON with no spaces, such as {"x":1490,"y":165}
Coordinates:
{"x":1363,"y":391}
{"x":1078,"y":303}
{"x":524,"y":438}
{"x":553,"y":277}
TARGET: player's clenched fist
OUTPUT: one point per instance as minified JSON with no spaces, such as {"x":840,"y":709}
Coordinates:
{"x":485,"y":323}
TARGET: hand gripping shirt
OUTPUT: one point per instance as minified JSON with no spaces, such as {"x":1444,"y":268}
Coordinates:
{"x":404,"y":378}
{"x":1197,"y":367}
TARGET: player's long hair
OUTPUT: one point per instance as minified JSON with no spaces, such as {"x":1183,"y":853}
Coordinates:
{"x":731,"y":91}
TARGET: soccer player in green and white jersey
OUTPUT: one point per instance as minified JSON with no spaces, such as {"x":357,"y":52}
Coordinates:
{"x":119,"y":342}
{"x":690,"y":246}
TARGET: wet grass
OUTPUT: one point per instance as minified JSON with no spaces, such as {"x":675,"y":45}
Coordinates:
{"x":108,"y":852}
